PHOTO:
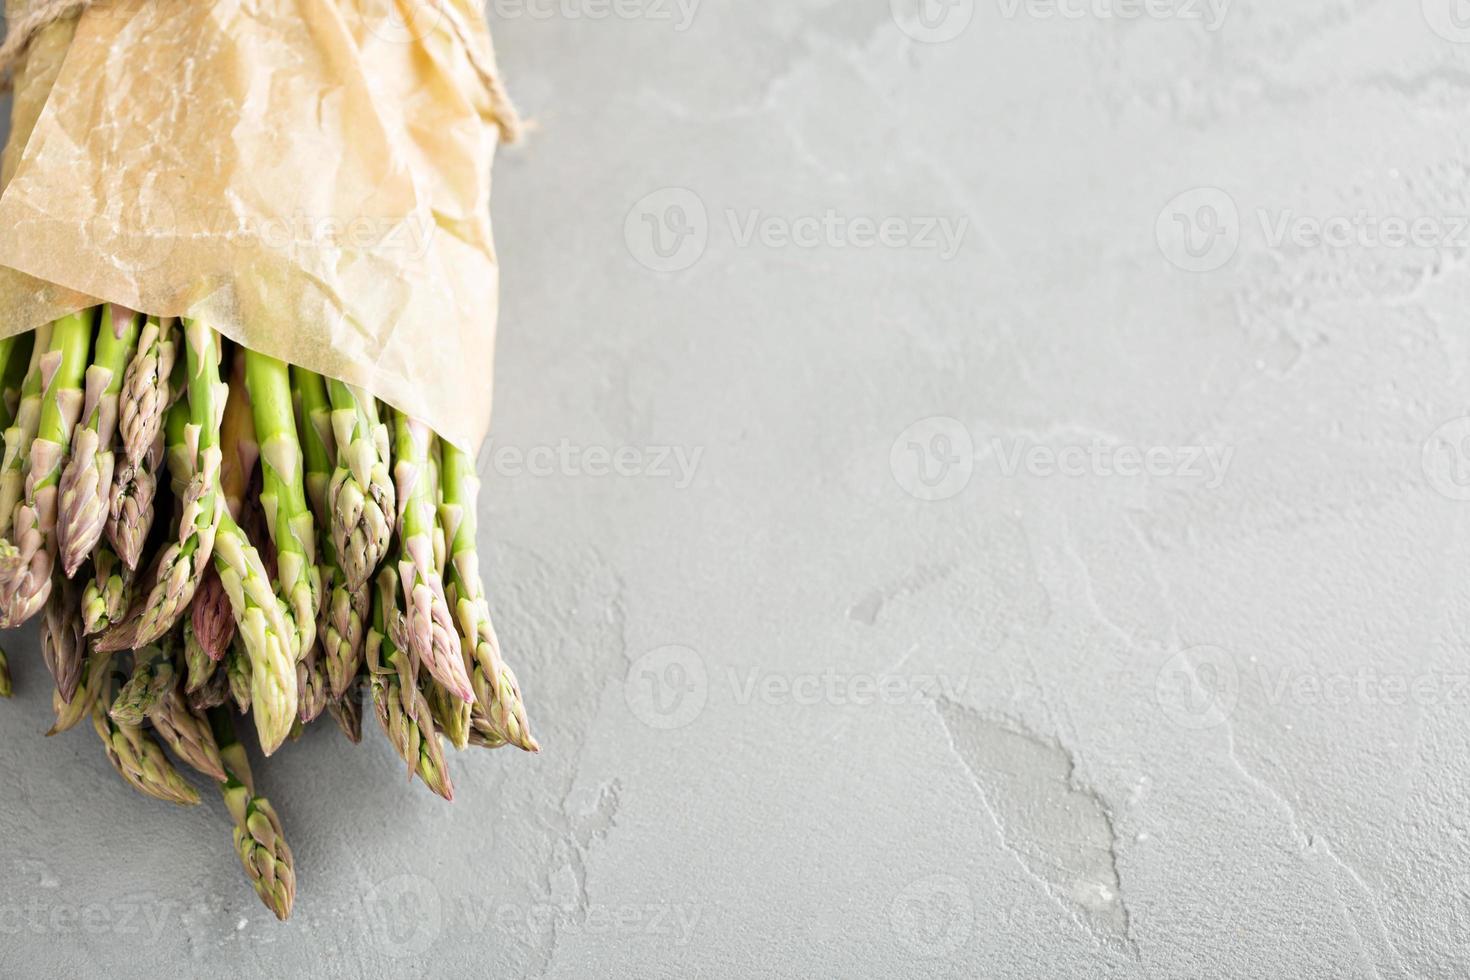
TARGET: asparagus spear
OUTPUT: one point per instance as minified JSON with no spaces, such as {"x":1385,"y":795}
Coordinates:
{"x":107,"y":592}
{"x":499,"y":711}
{"x":137,"y":757}
{"x":261,"y":627}
{"x":361,"y":490}
{"x":194,"y":460}
{"x":429,"y":627}
{"x":7,"y":689}
{"x":450,"y":713}
{"x":130,"y":507}
{"x":283,"y":494}
{"x":21,"y":431}
{"x":312,"y":693}
{"x":96,"y":670}
{"x":86,"y":483}
{"x":400,"y":706}
{"x":154,"y":693}
{"x":199,"y":666}
{"x":259,"y":840}
{"x":240,"y":676}
{"x":313,"y":414}
{"x":15,"y":356}
{"x":237,"y":437}
{"x":63,"y":645}
{"x":62,"y":368}
{"x":215,"y":692}
{"x":212,"y":624}
{"x":344,"y":610}
{"x":152,"y":675}
{"x":346,"y":710}
{"x":147,"y":390}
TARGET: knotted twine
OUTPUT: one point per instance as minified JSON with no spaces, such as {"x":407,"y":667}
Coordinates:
{"x":24,"y":29}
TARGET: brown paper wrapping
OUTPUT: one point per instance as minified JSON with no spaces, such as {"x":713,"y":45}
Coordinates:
{"x":309,"y":177}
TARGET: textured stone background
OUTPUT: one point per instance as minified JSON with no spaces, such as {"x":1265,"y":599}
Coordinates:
{"x":1079,"y":594}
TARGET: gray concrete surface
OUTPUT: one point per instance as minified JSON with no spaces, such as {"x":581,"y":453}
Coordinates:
{"x":1038,"y":547}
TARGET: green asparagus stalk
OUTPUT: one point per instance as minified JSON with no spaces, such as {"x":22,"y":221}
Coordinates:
{"x":313,"y":414}
{"x":107,"y":592}
{"x":96,"y":670}
{"x":199,"y":666}
{"x":16,"y":353}
{"x":312,"y":689}
{"x":63,"y":645}
{"x":361,"y":489}
{"x":137,"y":757}
{"x":130,"y":507}
{"x":7,"y":689}
{"x":429,"y":627}
{"x":194,"y":457}
{"x":400,"y":706}
{"x":451,"y":715}
{"x":21,"y":431}
{"x":259,"y":839}
{"x":147,"y":390}
{"x":62,"y":368}
{"x":153,"y":674}
{"x":283,"y":494}
{"x":499,"y":711}
{"x":344,"y":611}
{"x":15,"y":356}
{"x":240,"y":676}
{"x":86,"y":483}
{"x":237,"y":435}
{"x":181,"y":729}
{"x":214,"y":692}
{"x":212,"y":624}
{"x":346,"y":710}
{"x":261,"y":626}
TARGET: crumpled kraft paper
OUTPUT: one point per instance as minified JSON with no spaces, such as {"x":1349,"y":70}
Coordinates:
{"x":309,"y":177}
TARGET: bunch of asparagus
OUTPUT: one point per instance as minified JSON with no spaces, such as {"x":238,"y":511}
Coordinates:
{"x":314,"y":549}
